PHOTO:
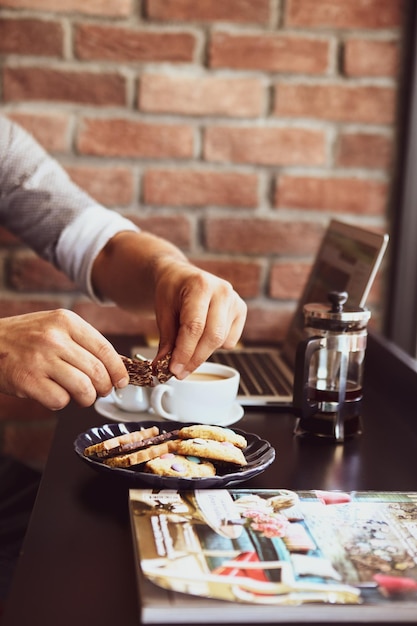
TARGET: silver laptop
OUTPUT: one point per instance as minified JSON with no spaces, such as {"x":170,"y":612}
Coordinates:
{"x":347,"y":260}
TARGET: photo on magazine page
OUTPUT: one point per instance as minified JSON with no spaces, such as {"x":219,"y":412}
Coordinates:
{"x":280,"y":548}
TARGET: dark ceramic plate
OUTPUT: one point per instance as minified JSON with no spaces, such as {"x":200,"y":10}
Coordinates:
{"x":259,"y":454}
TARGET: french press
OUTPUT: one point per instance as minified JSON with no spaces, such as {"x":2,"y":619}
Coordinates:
{"x":329,"y":369}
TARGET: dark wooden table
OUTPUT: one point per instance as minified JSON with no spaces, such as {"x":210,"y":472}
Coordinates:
{"x":77,"y":563}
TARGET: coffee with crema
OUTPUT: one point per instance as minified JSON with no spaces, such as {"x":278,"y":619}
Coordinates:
{"x":209,"y":377}
{"x":207,"y":395}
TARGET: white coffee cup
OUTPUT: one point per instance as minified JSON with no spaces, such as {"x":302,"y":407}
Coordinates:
{"x":131,"y":398}
{"x":206,"y":396}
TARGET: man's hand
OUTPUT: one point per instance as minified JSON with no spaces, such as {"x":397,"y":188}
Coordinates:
{"x":54,"y":356}
{"x":196,"y":313}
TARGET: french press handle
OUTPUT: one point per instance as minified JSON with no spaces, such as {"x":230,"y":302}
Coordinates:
{"x":305,"y":350}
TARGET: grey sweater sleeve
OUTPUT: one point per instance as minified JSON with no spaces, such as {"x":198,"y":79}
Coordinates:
{"x":44,"y":208}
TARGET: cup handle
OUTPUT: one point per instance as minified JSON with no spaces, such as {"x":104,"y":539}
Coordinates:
{"x":156,"y":400}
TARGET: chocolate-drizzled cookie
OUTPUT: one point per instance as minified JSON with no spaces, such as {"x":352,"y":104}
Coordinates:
{"x":134,"y":445}
{"x":161,"y":368}
{"x":105,"y":448}
{"x":141,"y":372}
{"x":139,"y":456}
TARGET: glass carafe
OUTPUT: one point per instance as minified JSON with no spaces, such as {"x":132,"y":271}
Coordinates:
{"x":329,"y":369}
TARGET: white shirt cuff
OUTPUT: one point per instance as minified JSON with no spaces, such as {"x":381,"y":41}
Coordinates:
{"x":82,"y":240}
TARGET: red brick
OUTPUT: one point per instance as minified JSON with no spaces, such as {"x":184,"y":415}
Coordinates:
{"x":364,"y":149}
{"x":261,"y":236}
{"x":110,"y":320}
{"x":31,"y":37}
{"x":28,"y":273}
{"x":342,"y":14}
{"x":287,"y":279}
{"x":266,"y":324}
{"x":270,"y":53}
{"x":175,"y":228}
{"x":370,"y":104}
{"x":199,"y":188}
{"x":122,"y":44}
{"x":112,"y":186}
{"x":128,"y":138}
{"x":338,"y":195}
{"x":102,"y":8}
{"x":51,"y":130}
{"x":213,"y":95}
{"x":265,"y":146}
{"x":36,"y":83}
{"x":239,"y":11}
{"x":245,"y":276}
{"x":371,"y":58}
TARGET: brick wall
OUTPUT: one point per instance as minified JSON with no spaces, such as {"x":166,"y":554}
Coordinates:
{"x":236,"y":129}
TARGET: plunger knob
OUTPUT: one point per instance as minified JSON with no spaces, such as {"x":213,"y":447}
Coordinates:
{"x":337,"y":300}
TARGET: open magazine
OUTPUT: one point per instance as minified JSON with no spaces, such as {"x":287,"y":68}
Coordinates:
{"x":275,"y":555}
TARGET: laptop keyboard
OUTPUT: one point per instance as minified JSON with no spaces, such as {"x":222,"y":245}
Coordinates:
{"x":259,"y":372}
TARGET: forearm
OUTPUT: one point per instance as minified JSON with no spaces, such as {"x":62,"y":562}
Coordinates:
{"x":127,"y":269}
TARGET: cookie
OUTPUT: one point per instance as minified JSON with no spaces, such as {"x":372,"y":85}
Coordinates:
{"x":161,"y":368}
{"x":216,"y":433}
{"x":171,"y":464}
{"x":140,"y":371}
{"x":132,"y":446}
{"x":139,"y":456}
{"x":221,"y":451}
{"x":113,"y":443}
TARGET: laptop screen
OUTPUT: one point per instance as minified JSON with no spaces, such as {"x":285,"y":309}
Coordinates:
{"x":347,"y":260}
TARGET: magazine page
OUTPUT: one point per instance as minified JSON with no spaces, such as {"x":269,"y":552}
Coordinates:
{"x":281,"y":548}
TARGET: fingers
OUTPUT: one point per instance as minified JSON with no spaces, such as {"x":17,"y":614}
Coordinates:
{"x":56,"y":382}
{"x":46,"y":392}
{"x":54,"y":356}
{"x":210,"y":315}
{"x":237,"y":325}
{"x":94,"y":356}
{"x":82,"y":376}
{"x":87,"y":365}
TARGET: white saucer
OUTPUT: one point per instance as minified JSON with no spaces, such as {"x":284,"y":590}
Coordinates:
{"x":105,"y":406}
